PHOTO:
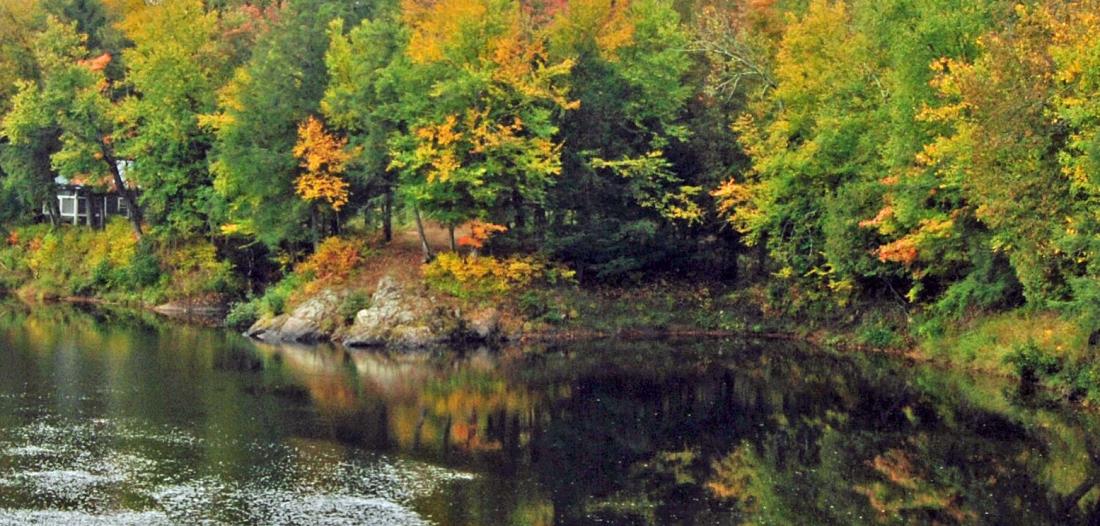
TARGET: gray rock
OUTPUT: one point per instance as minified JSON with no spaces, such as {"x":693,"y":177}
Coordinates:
{"x":263,"y":325}
{"x":397,"y":319}
{"x":308,"y":323}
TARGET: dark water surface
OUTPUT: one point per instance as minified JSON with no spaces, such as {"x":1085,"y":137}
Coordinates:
{"x":116,"y":418}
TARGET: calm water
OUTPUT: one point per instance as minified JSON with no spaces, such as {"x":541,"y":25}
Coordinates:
{"x":110,"y":418}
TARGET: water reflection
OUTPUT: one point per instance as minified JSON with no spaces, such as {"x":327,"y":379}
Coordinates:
{"x":120,"y":417}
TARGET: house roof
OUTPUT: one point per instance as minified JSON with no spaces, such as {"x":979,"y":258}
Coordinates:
{"x":104,"y":182}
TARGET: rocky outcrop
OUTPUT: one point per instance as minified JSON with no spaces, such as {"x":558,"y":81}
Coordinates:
{"x":398,"y":319}
{"x":311,"y":322}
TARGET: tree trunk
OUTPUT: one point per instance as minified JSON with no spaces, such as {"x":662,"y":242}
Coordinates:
{"x":127,"y":194}
{"x":451,"y":233}
{"x":313,"y":228}
{"x":387,"y":215}
{"x":520,"y":217}
{"x":428,"y":256}
{"x":51,"y":210}
{"x":762,"y":256}
{"x":541,"y":223}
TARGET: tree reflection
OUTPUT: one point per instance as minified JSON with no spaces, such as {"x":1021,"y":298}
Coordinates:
{"x":609,"y":433}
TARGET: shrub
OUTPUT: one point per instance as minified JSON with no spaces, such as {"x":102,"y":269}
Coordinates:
{"x":332,"y":263}
{"x":880,"y":329}
{"x":242,"y":315}
{"x":486,"y":276}
{"x":276,"y":298}
{"x":194,"y":269}
{"x":77,"y":260}
{"x":544,"y":306}
{"x":143,"y":271}
{"x":1031,"y":363}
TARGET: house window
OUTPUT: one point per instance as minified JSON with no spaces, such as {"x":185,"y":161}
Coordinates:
{"x":68,"y":205}
{"x":123,"y":208}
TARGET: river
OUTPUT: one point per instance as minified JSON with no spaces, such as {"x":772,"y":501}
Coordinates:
{"x":110,"y":417}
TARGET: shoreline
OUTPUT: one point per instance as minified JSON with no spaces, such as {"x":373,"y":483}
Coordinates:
{"x":832,"y":340}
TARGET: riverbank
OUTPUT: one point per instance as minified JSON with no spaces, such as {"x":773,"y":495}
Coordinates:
{"x":360,"y":292}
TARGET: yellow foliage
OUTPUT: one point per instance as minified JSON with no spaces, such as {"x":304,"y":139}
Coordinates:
{"x":487,"y":275}
{"x":195,"y":269}
{"x":605,"y":23}
{"x":323,"y":157}
{"x":437,"y":25}
{"x":436,"y":148}
{"x":76,"y":251}
{"x":734,"y":478}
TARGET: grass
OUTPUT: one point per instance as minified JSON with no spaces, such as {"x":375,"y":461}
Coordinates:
{"x":987,"y":343}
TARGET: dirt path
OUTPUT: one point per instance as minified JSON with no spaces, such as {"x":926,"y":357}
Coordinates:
{"x":402,"y":257}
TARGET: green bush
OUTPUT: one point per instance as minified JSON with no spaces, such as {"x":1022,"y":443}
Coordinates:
{"x":1032,"y":364}
{"x":543,"y":306}
{"x":276,"y":297}
{"x":877,"y":331}
{"x":242,"y":315}
{"x":144,"y":269}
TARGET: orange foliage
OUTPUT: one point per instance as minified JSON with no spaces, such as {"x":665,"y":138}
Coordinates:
{"x":883,"y":215}
{"x":480,"y":232}
{"x":323,"y":157}
{"x":13,"y":239}
{"x":98,"y":63}
{"x":902,"y":251}
{"x":333,"y":262}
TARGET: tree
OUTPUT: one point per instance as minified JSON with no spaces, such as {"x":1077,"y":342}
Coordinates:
{"x":485,"y":147}
{"x":1075,"y":51}
{"x":256,"y":126}
{"x":623,"y":194}
{"x":368,"y":76}
{"x":25,"y":175}
{"x":71,"y":97}
{"x":323,"y":158}
{"x":994,"y":161}
{"x":174,"y":69}
{"x":813,"y":141}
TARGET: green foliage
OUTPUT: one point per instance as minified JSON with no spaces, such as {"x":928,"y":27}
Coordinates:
{"x":144,"y":268}
{"x":352,"y":304}
{"x":543,"y":305}
{"x":1067,"y":378}
{"x":174,"y":69}
{"x":276,"y":298}
{"x":256,"y":128}
{"x":880,"y":333}
{"x":944,"y":151}
{"x":242,"y":315}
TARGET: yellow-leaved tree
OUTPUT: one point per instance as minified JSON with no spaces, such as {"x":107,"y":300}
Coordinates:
{"x":323,"y":158}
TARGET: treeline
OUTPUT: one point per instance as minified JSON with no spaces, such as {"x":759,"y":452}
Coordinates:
{"x":943,"y":152}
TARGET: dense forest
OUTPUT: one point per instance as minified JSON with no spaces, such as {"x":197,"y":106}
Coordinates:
{"x":942,"y":154}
